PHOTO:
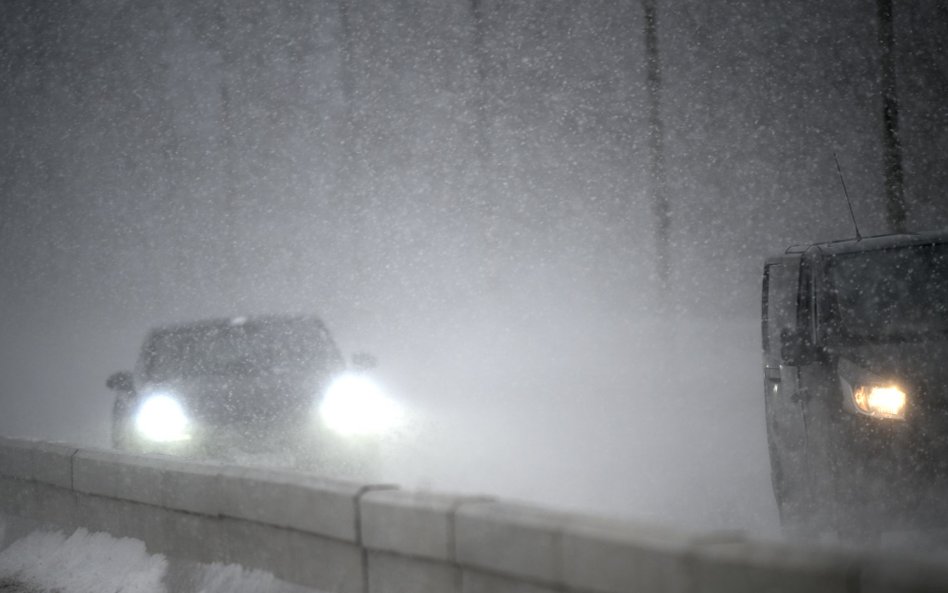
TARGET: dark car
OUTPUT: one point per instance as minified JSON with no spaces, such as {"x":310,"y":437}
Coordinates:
{"x":223,"y":387}
{"x":855,"y":343}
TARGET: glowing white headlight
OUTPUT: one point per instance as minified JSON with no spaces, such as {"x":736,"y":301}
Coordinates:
{"x":354,"y":405}
{"x":161,"y":419}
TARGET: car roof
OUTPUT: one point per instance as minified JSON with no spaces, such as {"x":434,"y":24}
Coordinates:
{"x":872,"y":243}
{"x":242,"y":320}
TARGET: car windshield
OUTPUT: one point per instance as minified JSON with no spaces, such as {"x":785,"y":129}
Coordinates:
{"x":241,"y":349}
{"x":889,"y":295}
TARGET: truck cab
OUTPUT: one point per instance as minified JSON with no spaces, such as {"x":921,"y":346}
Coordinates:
{"x":855,"y":345}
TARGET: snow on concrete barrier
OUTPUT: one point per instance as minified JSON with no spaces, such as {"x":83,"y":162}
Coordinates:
{"x":370,"y":538}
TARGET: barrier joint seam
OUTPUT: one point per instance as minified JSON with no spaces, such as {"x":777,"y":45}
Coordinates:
{"x":72,"y":470}
{"x":363,"y":551}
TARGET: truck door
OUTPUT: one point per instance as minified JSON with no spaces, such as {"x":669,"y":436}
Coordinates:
{"x":785,"y":426}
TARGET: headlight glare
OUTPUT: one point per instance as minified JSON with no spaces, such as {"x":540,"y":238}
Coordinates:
{"x":865,"y":392}
{"x":354,"y":405}
{"x":881,"y":401}
{"x":161,"y":419}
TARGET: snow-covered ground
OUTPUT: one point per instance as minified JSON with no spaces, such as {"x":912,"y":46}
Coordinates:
{"x":84,"y":562}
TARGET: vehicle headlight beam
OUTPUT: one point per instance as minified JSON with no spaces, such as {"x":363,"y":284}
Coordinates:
{"x":881,"y":401}
{"x":355,"y":405}
{"x":869,"y":394}
{"x":162,"y":419}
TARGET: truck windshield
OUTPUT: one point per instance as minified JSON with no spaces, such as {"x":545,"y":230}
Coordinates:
{"x":248,"y":349}
{"x":888,"y":295}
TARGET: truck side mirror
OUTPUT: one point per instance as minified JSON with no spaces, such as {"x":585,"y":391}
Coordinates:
{"x":121,"y":381}
{"x":796,"y":349}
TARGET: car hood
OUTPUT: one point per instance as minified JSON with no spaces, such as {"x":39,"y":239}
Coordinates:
{"x":244,"y":400}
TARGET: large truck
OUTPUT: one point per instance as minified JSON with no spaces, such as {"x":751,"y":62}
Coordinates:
{"x":855,"y":360}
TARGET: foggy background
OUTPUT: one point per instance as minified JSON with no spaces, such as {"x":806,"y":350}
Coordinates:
{"x":462,"y":188}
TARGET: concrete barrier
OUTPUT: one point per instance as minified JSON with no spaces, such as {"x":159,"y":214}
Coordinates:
{"x":372,"y":538}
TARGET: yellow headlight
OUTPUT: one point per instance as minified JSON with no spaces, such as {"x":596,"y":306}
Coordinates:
{"x":882,"y":401}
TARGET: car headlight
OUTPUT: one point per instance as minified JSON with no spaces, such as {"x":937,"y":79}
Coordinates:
{"x":161,"y":418}
{"x":866,"y":393}
{"x":355,"y":405}
{"x":882,"y":401}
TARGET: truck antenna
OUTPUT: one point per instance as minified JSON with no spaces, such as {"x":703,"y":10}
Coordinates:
{"x":848,"y":201}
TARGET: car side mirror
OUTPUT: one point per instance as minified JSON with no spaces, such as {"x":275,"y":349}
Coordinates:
{"x":363,"y":361}
{"x":796,"y":349}
{"x":120,"y":381}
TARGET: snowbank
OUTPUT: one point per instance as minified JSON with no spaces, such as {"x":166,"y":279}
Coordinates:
{"x":83,"y":563}
{"x":99,"y":563}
